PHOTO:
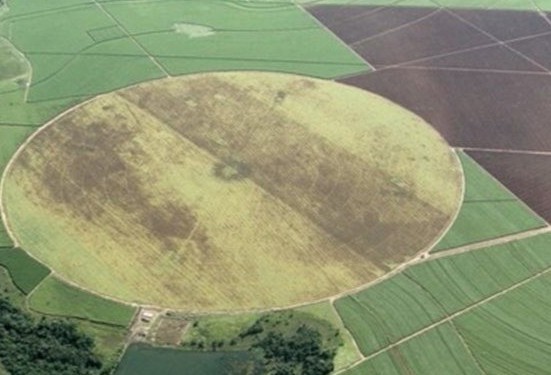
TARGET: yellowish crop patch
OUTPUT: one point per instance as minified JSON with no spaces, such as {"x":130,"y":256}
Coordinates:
{"x":228,"y":191}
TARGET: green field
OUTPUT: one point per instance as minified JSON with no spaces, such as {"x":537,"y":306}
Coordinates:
{"x":9,"y":290}
{"x":511,"y":335}
{"x":55,"y":297}
{"x":11,"y":137}
{"x":488,"y":210}
{"x":12,"y":64}
{"x":145,"y":360}
{"x":109,"y":340}
{"x":439,"y":351}
{"x":97,"y":48}
{"x":506,"y":335}
{"x":80,"y":48}
{"x":428,"y":292}
{"x":25,"y":271}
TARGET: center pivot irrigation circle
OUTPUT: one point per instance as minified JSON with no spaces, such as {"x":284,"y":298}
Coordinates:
{"x":231,"y":191}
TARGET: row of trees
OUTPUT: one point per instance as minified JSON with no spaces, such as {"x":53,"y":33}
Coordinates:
{"x":46,"y":347}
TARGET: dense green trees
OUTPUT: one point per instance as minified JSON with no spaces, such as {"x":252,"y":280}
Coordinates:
{"x":46,"y":347}
{"x":301,"y":353}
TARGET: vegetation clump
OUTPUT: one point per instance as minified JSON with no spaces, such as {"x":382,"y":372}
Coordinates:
{"x":45,"y":347}
{"x":301,"y":353}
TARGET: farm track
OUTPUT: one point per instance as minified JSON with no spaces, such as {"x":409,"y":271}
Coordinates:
{"x":447,"y":319}
{"x":443,"y":253}
{"x":336,"y":37}
{"x":134,"y":40}
{"x":488,"y":243}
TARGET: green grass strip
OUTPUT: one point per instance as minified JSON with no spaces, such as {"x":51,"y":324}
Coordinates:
{"x":25,"y":271}
{"x":55,"y":297}
{"x":488,"y":211}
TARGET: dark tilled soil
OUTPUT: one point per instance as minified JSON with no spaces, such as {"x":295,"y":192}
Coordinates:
{"x":438,"y":34}
{"x":365,"y":22}
{"x":538,"y":49}
{"x":528,"y":176}
{"x":491,"y":58}
{"x":505,"y":24}
{"x":472,"y":109}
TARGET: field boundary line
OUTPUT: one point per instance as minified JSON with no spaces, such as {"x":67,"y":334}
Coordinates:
{"x":464,"y":50}
{"x":449,"y":318}
{"x":332,"y":34}
{"x":29,"y":74}
{"x":467,"y":348}
{"x":125,"y":31}
{"x":488,"y":243}
{"x":339,"y":318}
{"x":426,"y":254}
{"x":499,"y":183}
{"x":398,"y":28}
{"x":507,"y":151}
{"x":504,"y":44}
{"x":7,"y":168}
{"x":470,"y":70}
{"x":28,"y":296}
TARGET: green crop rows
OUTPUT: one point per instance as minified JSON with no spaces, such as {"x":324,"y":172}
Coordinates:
{"x":488,"y":210}
{"x":55,"y":297}
{"x":25,"y":271}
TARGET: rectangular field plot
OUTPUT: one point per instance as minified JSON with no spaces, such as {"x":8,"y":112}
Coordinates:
{"x":471,"y":108}
{"x":430,"y":291}
{"x":511,"y":334}
{"x":21,"y":8}
{"x":70,"y":34}
{"x":464,"y":279}
{"x":15,"y":111}
{"x":488,"y":211}
{"x":387,"y":312}
{"x":55,"y":297}
{"x":436,"y":352}
{"x":528,"y":176}
{"x":186,"y":39}
{"x":25,"y":271}
{"x":93,"y":74}
{"x":146,"y":360}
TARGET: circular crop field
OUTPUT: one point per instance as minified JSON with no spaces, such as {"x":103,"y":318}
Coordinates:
{"x":227,"y":191}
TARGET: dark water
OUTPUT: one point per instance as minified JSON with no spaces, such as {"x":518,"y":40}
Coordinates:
{"x":148,"y":360}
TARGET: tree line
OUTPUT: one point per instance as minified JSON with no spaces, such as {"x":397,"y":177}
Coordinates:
{"x":44,"y":347}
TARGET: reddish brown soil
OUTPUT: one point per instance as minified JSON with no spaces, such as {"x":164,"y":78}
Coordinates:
{"x":528,"y":176}
{"x":472,"y":109}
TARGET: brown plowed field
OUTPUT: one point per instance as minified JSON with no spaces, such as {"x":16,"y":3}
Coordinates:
{"x":472,"y":109}
{"x":528,"y":176}
{"x":394,"y":36}
{"x":454,"y":72}
{"x":365,"y":22}
{"x":491,"y":58}
{"x":538,"y":49}
{"x":505,"y":24}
